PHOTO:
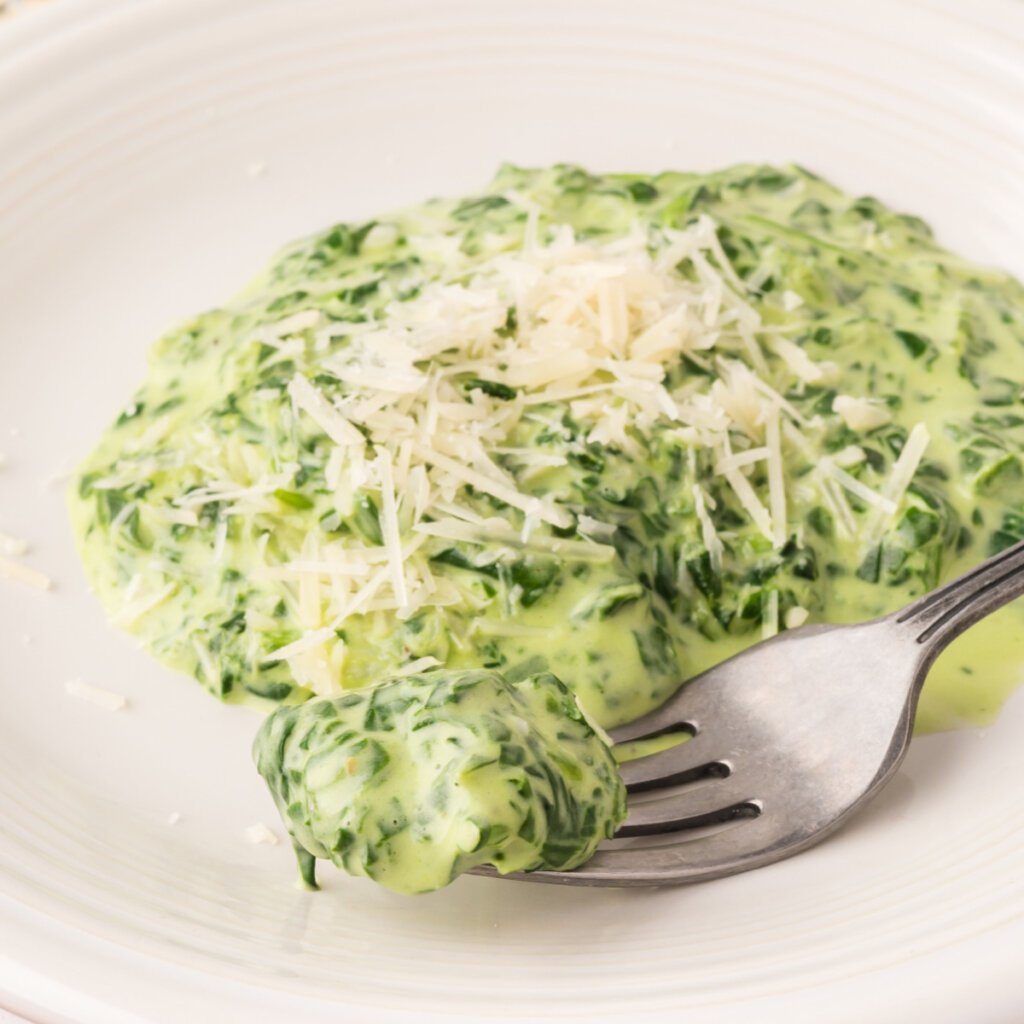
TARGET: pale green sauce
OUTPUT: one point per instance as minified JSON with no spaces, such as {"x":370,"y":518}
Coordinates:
{"x":420,"y":779}
{"x":936,"y":340}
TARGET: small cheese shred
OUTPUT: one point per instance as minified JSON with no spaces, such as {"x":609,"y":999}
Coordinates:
{"x":796,"y":617}
{"x":12,"y":545}
{"x":748,"y":499}
{"x":260,"y":835}
{"x":861,"y":414}
{"x":855,"y":487}
{"x":106,"y":699}
{"x":24,"y":574}
{"x":390,"y":528}
{"x":510,"y":496}
{"x":902,"y":473}
{"x":906,"y":465}
{"x":799,"y":361}
{"x":776,"y":480}
{"x":313,"y":639}
{"x":135,"y":607}
{"x":709,"y":534}
{"x":324,"y":415}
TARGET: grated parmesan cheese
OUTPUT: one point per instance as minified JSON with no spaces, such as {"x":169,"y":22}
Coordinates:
{"x":412,"y":426}
{"x":135,"y":607}
{"x":776,"y":480}
{"x":903,"y":471}
{"x":597,"y":325}
{"x":327,"y":418}
{"x":796,"y":617}
{"x":260,"y":835}
{"x":749,"y":500}
{"x":390,"y":527}
{"x":106,"y":699}
{"x":906,"y":465}
{"x":854,"y":486}
{"x":712,"y":541}
{"x":24,"y":574}
{"x":861,"y":414}
{"x":799,"y":361}
{"x":310,"y":641}
{"x":12,"y":545}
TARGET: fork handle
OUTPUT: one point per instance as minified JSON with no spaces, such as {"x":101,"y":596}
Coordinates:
{"x":940,"y":617}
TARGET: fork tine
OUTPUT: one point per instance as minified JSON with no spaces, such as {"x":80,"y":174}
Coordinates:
{"x":688,"y":761}
{"x":683,"y":712}
{"x":748,"y":844}
{"x":708,"y":804}
{"x":662,"y":720}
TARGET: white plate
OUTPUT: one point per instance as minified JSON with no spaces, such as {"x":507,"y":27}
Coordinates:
{"x":130,"y":138}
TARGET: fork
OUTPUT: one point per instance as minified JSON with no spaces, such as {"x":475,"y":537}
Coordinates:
{"x":788,"y":740}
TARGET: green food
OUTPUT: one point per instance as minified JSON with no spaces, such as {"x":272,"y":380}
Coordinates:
{"x":210,"y":483}
{"x":422,"y":778}
{"x":613,"y":428}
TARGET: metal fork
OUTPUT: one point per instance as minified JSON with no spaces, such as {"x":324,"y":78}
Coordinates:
{"x":789,"y":739}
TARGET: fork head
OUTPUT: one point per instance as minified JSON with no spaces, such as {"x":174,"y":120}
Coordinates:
{"x":788,"y":739}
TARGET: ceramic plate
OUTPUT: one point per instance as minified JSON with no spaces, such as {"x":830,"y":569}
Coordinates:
{"x":152,"y":156}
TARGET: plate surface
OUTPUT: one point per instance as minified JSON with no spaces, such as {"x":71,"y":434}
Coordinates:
{"x":153,"y":156}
